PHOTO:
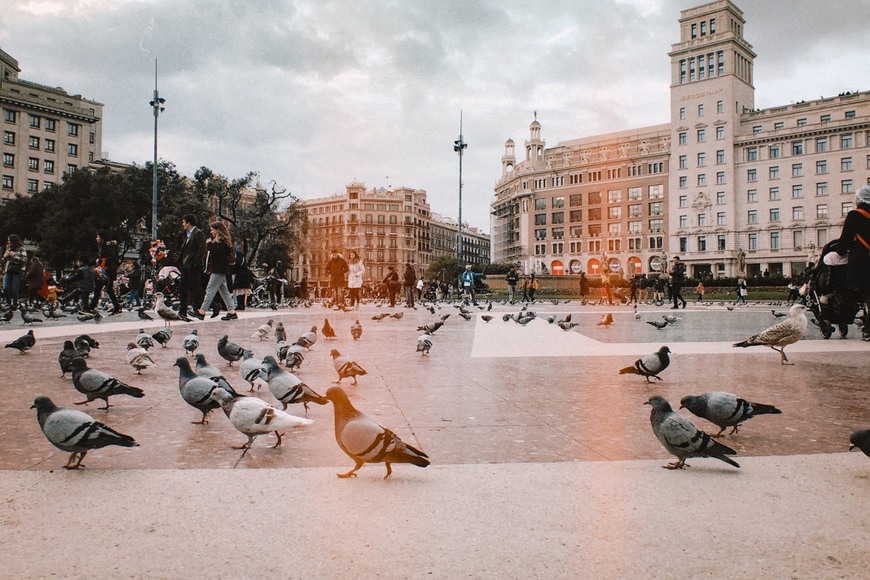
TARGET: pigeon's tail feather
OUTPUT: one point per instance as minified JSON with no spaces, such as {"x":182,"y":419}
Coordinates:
{"x":103,"y":436}
{"x":629,"y":370}
{"x":759,"y":409}
{"x":135,"y":392}
{"x":408,"y":454}
{"x":727,"y":460}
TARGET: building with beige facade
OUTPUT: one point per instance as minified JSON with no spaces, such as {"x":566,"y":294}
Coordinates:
{"x":739,"y":190}
{"x":386,"y":227}
{"x":46,"y":132}
{"x":443,"y":232}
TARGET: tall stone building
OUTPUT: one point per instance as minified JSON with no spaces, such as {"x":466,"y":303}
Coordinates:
{"x":729,"y":188}
{"x":443,"y":234}
{"x":46,"y":132}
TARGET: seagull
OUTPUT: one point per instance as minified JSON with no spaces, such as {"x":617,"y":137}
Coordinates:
{"x":163,"y":336}
{"x":252,"y":417}
{"x":166,"y":313}
{"x":96,"y":384}
{"x":681,"y":438}
{"x":861,"y":440}
{"x":23,"y":343}
{"x":230,"y":351}
{"x":75,"y":432}
{"x":190,"y":342}
{"x":138,"y":358}
{"x":144,"y":340}
{"x":288,"y":388}
{"x":605,"y":321}
{"x":356,"y":330}
{"x":328,"y":331}
{"x":345,"y":367}
{"x":781,"y":334}
{"x":650,"y":365}
{"x":365,"y":441}
{"x":725,"y":410}
{"x":424,"y":343}
{"x":263,"y":330}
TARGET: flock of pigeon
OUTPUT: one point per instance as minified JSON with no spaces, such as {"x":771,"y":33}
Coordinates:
{"x":205,"y":388}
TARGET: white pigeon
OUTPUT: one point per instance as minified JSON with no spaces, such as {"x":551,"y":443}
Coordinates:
{"x":782,"y":334}
{"x":253,"y":417}
{"x":253,"y":371}
{"x":190,"y":342}
{"x":138,"y":357}
{"x":263,"y":330}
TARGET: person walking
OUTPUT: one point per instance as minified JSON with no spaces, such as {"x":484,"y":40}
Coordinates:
{"x":135,"y":283}
{"x":466,"y":281}
{"x":337,"y":268}
{"x":243,"y":279}
{"x":220,"y":255}
{"x":34,"y":279}
{"x":584,"y":285}
{"x":512,"y":278}
{"x":533,"y":287}
{"x":409,"y":283}
{"x":356,"y":269}
{"x":741,"y":292}
{"x":700,"y":291}
{"x":107,"y":261}
{"x":190,"y":264}
{"x":524,"y":286}
{"x":678,"y":276}
{"x":855,"y":240}
{"x":643,"y":288}
{"x":391,"y":281}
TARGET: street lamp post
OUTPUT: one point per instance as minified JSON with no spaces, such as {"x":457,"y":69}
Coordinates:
{"x":459,"y":146}
{"x":157,"y":105}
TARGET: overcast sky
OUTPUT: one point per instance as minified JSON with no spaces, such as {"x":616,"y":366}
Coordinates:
{"x":315,"y":94}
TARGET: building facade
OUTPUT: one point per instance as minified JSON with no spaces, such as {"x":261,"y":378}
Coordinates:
{"x":443,"y":235}
{"x":743,"y":190}
{"x":385,"y":227}
{"x":46,"y":132}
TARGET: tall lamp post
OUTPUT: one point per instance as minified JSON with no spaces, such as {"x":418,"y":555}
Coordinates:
{"x":459,"y":146}
{"x":157,"y":105}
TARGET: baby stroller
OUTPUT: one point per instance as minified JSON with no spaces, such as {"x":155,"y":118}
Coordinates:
{"x":169,"y":283}
{"x":826,"y":295}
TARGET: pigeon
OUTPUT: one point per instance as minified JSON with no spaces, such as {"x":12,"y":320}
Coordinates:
{"x":397,"y":315}
{"x":142,"y":314}
{"x":861,"y":440}
{"x":681,"y":438}
{"x":328,"y":331}
{"x":431,"y":327}
{"x":485,"y":317}
{"x":381,"y":316}
{"x":96,"y":384}
{"x":252,"y":417}
{"x":650,"y":365}
{"x":163,"y":336}
{"x":725,"y":410}
{"x":252,"y":370}
{"x":6,"y":317}
{"x":566,"y":325}
{"x":64,"y":359}
{"x":424,"y":343}
{"x":75,"y":432}
{"x":196,"y":389}
{"x":208,"y":371}
{"x":781,"y":334}
{"x":465,"y":315}
{"x":280,"y":333}
{"x":345,"y":367}
{"x":444,"y":317}
{"x":191,"y":342}
{"x":23,"y":343}
{"x":308,"y":339}
{"x":138,"y":357}
{"x":144,"y":340}
{"x":356,"y":330}
{"x":230,"y":351}
{"x":779,"y":314}
{"x":365,"y":441}
{"x":605,"y":321}
{"x":287,"y":388}
{"x":84,"y":316}
{"x":263,"y":330}
{"x":166,"y":313}
{"x":670,"y":318}
{"x":84,"y":343}
{"x":294,"y":357}
{"x":27,"y":317}
{"x":658,"y":324}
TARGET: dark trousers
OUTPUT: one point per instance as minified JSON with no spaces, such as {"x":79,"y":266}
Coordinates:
{"x":676,"y":292}
{"x":109,"y":286}
{"x":190,"y":289}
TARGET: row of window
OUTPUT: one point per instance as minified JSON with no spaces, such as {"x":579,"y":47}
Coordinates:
{"x":37,"y":122}
{"x":702,"y":66}
{"x":595,"y":197}
{"x":32,"y":163}
{"x":701,"y":180}
{"x":846,"y":141}
{"x":797,"y":191}
{"x":797,"y":214}
{"x":720,"y":108}
{"x":802,"y":122}
{"x":594,"y":246}
{"x":595,"y":230}
{"x":797,"y":169}
{"x":8,"y":183}
{"x":595,"y":213}
{"x":701,"y":160}
{"x":33,"y":142}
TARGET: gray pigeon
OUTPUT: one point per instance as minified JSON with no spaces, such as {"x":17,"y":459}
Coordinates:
{"x":96,"y":384}
{"x":23,"y":343}
{"x":861,"y":440}
{"x":263,"y":330}
{"x":75,"y":432}
{"x":681,"y":438}
{"x":208,"y":371}
{"x":27,"y":317}
{"x":356,"y":330}
{"x":725,"y":410}
{"x":308,"y":339}
{"x":252,"y":371}
{"x":190,"y":342}
{"x":365,"y":441}
{"x":424,"y":343}
{"x":294,"y":356}
{"x":280,"y":333}
{"x":658,"y":324}
{"x":782,"y":334}
{"x":144,"y":339}
{"x":196,"y":389}
{"x":345,"y":367}
{"x":163,"y":336}
{"x":287,"y":388}
{"x":230,"y":351}
{"x":431,"y":327}
{"x":253,"y":417}
{"x":84,"y":343}
{"x":66,"y":356}
{"x":650,"y":365}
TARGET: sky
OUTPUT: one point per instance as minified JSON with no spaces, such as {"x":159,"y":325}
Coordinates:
{"x":316,"y":94}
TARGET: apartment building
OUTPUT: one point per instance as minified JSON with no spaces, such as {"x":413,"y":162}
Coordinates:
{"x":443,"y":234}
{"x":46,"y":132}
{"x":743,"y":190}
{"x":386,"y":227}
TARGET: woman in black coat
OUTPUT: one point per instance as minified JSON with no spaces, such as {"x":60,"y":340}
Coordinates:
{"x":855,"y":240}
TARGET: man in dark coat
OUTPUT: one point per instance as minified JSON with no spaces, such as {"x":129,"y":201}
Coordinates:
{"x":190,"y":264}
{"x":855,"y":240}
{"x":337,"y":269}
{"x":107,"y":261}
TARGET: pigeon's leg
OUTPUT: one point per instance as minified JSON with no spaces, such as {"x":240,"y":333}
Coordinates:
{"x":85,"y":402}
{"x":247,"y":445}
{"x":81,"y":455}
{"x":389,"y":470}
{"x":352,"y":472}
{"x":278,"y":444}
{"x":106,"y":408}
{"x":69,"y":463}
{"x":202,"y":421}
{"x":719,"y":434}
{"x":734,"y":429}
{"x":338,"y":382}
{"x":354,"y":379}
{"x":676,"y":464}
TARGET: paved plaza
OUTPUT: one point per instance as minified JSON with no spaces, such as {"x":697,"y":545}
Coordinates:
{"x":543,"y":460}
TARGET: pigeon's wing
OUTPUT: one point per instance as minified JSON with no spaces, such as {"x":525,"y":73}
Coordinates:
{"x":71,"y":430}
{"x":651,"y":364}
{"x":679,"y":435}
